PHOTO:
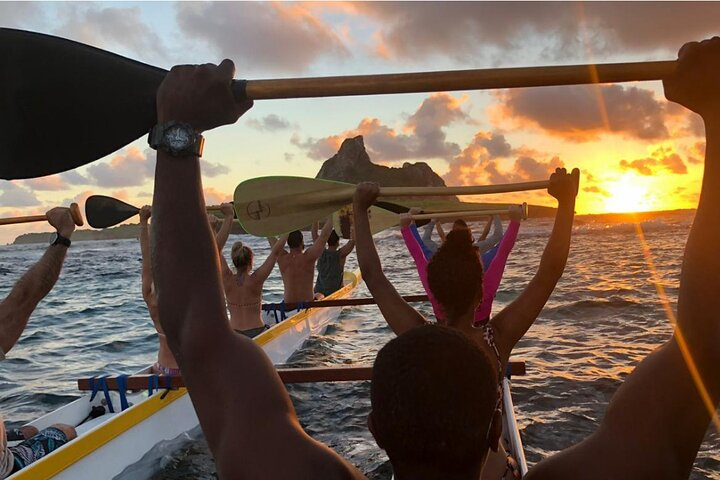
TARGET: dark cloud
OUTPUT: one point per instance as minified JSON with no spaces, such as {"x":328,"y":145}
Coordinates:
{"x":422,"y":137}
{"x":524,"y":169}
{"x":269,"y":123}
{"x":73,"y":177}
{"x":581,"y":113}
{"x":210,"y":169}
{"x":661,"y":159}
{"x":13,"y":195}
{"x":274,"y":37}
{"x":596,"y":189}
{"x":560,"y":30}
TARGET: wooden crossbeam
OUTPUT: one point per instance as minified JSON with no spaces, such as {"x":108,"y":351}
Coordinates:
{"x":354,"y":373}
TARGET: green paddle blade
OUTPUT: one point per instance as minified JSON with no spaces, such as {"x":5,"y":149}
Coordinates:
{"x":270,"y":206}
{"x":64,"y":104}
{"x":104,"y":212}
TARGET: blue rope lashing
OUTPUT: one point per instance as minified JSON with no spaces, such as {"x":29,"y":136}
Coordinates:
{"x":168,"y":386}
{"x":282,"y":311}
{"x":122,"y":390}
{"x":97,"y":384}
{"x":508,"y":371}
{"x":153,"y":384}
{"x":301,"y":306}
{"x":275,"y":314}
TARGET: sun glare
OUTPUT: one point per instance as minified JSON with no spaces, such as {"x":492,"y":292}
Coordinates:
{"x":626,"y":195}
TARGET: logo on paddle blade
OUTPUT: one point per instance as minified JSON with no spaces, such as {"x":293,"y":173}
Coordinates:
{"x":257,"y":210}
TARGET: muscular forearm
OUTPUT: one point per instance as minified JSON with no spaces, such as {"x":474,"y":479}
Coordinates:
{"x":700,"y":277}
{"x":224,"y":233}
{"x":554,"y":258}
{"x":32,"y":287}
{"x":367,"y":256}
{"x":185,"y":258}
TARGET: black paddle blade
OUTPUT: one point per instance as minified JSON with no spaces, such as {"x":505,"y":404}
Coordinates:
{"x":104,"y":212}
{"x":64,"y":104}
{"x":397,"y":208}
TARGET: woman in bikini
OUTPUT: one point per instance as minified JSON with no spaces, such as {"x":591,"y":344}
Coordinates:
{"x":165,"y":364}
{"x":455,"y":277}
{"x":243,"y":289}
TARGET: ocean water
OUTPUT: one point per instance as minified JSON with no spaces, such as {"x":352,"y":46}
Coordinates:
{"x":604,"y":316}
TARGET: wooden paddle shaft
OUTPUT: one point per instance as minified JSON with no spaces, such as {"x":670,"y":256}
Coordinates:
{"x":468,"y":190}
{"x":343,"y":194}
{"x":459,"y":214}
{"x":454,"y":80}
{"x":74,"y":212}
{"x":354,"y":373}
{"x":342,"y":302}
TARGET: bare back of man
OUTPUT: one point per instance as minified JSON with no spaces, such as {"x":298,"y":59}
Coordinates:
{"x":297,"y":266}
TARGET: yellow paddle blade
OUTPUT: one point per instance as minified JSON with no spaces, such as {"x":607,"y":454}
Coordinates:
{"x":380,"y":219}
{"x":269,"y":206}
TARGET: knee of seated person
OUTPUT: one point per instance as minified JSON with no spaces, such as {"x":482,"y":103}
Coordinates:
{"x":28,"y":431}
{"x":68,"y":430}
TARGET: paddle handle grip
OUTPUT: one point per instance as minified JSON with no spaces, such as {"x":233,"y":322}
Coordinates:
{"x":74,"y":212}
{"x":446,"y":81}
{"x":468,"y":190}
{"x":459,"y":214}
{"x":76,"y":215}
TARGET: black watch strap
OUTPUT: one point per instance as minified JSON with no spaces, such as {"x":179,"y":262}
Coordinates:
{"x":58,"y":239}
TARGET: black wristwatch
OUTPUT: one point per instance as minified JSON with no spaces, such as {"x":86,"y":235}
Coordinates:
{"x":57,"y":239}
{"x":177,"y":139}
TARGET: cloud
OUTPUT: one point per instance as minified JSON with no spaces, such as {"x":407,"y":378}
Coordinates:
{"x":662,"y":159}
{"x":596,"y":189}
{"x":210,"y":169}
{"x":49,"y":183}
{"x":582,"y":113}
{"x":524,"y":169}
{"x":18,"y":14}
{"x":489,"y":158}
{"x":274,"y":37}
{"x":214,"y":196}
{"x":556,"y":30}
{"x":421,"y":137}
{"x":73,"y":177}
{"x":13,"y":195}
{"x":109,"y":28}
{"x":269,"y":123}
{"x":129,"y":168}
{"x":484,"y":146}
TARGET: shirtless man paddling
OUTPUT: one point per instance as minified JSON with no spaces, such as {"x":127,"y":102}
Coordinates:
{"x":297,"y":266}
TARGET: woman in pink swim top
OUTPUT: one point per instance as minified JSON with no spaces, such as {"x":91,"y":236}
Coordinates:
{"x":493,"y":273}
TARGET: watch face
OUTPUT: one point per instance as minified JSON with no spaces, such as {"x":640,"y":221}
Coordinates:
{"x":53,"y":238}
{"x":178,"y":138}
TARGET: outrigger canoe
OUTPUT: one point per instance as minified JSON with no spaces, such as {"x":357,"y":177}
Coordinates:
{"x":108,"y":444}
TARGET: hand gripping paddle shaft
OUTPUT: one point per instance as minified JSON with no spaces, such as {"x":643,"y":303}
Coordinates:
{"x":64,"y":104}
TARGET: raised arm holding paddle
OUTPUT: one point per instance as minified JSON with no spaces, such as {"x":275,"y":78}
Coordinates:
{"x":15,"y":311}
{"x":434,"y":416}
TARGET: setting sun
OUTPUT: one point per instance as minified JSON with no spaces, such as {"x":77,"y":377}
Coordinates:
{"x":626,"y":195}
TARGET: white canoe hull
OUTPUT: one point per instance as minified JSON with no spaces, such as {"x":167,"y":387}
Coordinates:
{"x":109,"y":444}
